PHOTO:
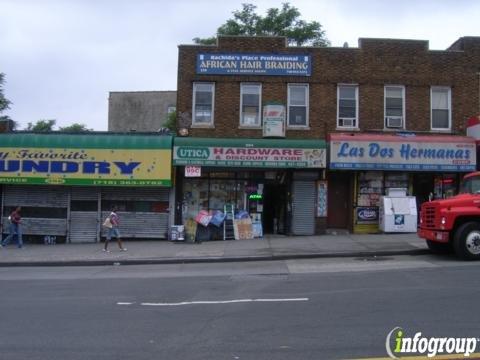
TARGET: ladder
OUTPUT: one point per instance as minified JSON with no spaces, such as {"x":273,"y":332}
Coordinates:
{"x":228,"y":232}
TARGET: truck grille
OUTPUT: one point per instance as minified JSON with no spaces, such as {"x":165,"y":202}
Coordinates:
{"x":428,"y":216}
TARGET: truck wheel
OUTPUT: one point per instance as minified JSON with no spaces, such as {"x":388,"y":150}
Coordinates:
{"x":439,"y":248}
{"x":466,"y":242}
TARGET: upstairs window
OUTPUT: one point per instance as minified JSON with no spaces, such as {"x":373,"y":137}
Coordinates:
{"x":441,"y":108}
{"x":203,"y":103}
{"x":394,"y":107}
{"x":347,"y":106}
{"x":297,"y":105}
{"x":250,"y":105}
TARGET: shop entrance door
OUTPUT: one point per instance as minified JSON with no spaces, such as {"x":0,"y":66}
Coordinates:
{"x":338,"y":196}
{"x":274,"y":209}
{"x":423,"y":186}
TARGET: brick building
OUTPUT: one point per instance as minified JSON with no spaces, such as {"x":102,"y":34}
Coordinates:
{"x":392,"y":111}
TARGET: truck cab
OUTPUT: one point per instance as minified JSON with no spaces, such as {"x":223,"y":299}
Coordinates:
{"x":454,"y":223}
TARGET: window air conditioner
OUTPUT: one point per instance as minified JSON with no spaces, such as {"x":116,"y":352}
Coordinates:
{"x":346,"y":122}
{"x":394,"y":121}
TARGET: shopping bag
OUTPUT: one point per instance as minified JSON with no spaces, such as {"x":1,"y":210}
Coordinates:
{"x":217,"y":218}
{"x":107,"y":223}
{"x":203,"y":218}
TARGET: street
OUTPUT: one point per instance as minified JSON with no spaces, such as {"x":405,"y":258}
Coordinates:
{"x":295,"y":309}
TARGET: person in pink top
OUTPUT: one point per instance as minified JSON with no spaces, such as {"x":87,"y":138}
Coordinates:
{"x":114,"y":230}
{"x":15,"y":228}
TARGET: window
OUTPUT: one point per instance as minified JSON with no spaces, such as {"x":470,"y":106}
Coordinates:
{"x":250,"y":104}
{"x":394,"y":107}
{"x":297,"y":105}
{"x":203,"y":100}
{"x":171,"y":109}
{"x":441,"y":111}
{"x":347,"y":102}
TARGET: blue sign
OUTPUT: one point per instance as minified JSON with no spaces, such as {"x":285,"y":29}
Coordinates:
{"x":367,"y":215}
{"x":399,"y":220}
{"x":254,"y":64}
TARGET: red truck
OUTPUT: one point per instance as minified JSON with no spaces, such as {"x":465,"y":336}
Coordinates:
{"x":454,"y":223}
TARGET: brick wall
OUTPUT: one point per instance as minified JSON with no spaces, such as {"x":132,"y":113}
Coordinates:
{"x":374,"y":64}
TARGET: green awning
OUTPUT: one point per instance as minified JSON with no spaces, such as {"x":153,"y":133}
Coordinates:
{"x":86,"y":141}
{"x":255,"y":153}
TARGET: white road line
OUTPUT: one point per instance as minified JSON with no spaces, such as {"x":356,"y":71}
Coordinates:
{"x":222,"y":302}
{"x":124,"y":303}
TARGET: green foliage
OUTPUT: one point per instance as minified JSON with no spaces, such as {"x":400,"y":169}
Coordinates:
{"x":171,"y":122}
{"x":277,"y":22}
{"x":4,"y":103}
{"x":42,"y":126}
{"x":75,"y":128}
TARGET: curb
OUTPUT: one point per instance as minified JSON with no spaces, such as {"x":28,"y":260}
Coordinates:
{"x":169,"y":261}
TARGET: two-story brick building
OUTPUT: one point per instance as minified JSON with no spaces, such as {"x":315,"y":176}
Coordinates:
{"x":258,"y":115}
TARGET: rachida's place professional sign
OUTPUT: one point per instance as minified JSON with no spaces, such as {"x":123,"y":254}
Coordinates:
{"x":86,"y":164}
{"x":254,"y":64}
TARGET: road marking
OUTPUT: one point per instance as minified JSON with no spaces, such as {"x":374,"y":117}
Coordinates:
{"x":212,"y":302}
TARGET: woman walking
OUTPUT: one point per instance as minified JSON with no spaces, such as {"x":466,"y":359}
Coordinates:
{"x":114,"y":230}
{"x":15,"y":228}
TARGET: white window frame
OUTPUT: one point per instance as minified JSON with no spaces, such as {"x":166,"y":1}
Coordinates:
{"x":402,"y":87}
{"x":449,"y":99}
{"x":211,"y":123}
{"x":307,"y":106}
{"x":259,"y":125}
{"x":357,"y":120}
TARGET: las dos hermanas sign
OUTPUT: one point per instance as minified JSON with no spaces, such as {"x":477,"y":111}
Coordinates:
{"x":417,"y":153}
{"x":254,"y":64}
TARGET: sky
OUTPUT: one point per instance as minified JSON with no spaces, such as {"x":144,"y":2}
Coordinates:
{"x":61,"y":58}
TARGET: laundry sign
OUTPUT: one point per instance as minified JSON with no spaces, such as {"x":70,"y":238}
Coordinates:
{"x":386,"y":152}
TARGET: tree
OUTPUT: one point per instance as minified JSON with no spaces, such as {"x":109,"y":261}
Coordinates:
{"x":4,"y":102}
{"x":42,"y":126}
{"x":75,"y":128}
{"x":277,"y":22}
{"x":171,"y":122}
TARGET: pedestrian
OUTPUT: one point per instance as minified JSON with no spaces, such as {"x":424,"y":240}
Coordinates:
{"x":114,"y":230}
{"x":15,"y":229}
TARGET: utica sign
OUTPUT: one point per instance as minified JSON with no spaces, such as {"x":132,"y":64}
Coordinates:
{"x":249,"y":157}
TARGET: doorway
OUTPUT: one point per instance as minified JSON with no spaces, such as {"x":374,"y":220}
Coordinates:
{"x":338,"y":200}
{"x":274,"y":209}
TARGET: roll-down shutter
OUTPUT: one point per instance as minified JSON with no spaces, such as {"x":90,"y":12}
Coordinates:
{"x":303,"y":219}
{"x":44,"y":208}
{"x":145,"y":220}
{"x":84,"y":215}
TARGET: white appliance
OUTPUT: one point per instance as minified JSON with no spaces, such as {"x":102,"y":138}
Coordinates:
{"x":398,"y":212}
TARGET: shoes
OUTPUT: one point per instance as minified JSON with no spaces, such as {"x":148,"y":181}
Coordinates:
{"x":123,"y":249}
{"x":105,"y":250}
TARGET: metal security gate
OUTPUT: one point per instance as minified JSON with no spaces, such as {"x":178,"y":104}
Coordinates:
{"x":84,"y":215}
{"x":44,"y":208}
{"x":143,"y":212}
{"x":303,"y":211}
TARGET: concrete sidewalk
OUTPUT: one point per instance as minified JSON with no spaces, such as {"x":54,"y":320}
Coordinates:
{"x":165,"y":252}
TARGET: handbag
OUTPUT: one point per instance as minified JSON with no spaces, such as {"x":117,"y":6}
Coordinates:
{"x":107,"y":223}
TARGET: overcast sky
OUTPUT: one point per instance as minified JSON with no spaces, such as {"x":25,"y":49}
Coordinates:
{"x":61,"y":58}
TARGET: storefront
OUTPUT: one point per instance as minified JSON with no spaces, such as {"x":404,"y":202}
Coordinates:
{"x":66,"y":184}
{"x":428,"y":167}
{"x":274,"y":181}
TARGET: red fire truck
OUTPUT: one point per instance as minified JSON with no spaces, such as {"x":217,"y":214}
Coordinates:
{"x":454,"y":223}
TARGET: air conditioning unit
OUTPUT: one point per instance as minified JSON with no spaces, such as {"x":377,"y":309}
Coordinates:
{"x":346,"y":122}
{"x":394,"y":121}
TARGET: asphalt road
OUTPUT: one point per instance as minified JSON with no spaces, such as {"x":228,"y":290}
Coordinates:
{"x":311,"y":309}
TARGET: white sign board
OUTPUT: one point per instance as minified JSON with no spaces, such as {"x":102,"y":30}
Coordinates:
{"x":274,"y":121}
{"x":193,"y":171}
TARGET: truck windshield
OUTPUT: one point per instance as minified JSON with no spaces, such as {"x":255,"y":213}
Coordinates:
{"x":471,"y":185}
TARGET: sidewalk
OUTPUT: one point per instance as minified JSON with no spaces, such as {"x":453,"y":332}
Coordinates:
{"x":273,"y":247}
